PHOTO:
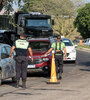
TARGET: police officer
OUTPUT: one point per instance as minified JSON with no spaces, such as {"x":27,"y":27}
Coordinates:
{"x":58,"y":47}
{"x":21,"y":47}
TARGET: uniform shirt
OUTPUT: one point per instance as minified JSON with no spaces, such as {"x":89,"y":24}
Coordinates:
{"x":58,"y":46}
{"x":21,"y":47}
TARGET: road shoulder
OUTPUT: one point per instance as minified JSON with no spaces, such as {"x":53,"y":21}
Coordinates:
{"x":83,"y":49}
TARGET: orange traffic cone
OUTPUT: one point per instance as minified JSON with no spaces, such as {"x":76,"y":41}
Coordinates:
{"x":80,"y":42}
{"x":53,"y":79}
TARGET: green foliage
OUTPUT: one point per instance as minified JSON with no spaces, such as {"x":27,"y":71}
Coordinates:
{"x":52,"y":7}
{"x":82,"y":21}
{"x":7,"y":5}
{"x":2,"y":4}
{"x":83,"y":46}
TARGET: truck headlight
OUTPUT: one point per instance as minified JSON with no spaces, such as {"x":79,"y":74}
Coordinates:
{"x":45,"y":59}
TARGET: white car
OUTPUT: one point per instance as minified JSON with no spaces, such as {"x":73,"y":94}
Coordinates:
{"x":87,"y":42}
{"x":71,"y":50}
{"x":7,"y":66}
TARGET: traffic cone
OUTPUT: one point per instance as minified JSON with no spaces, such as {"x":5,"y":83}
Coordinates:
{"x":80,"y":42}
{"x":53,"y":79}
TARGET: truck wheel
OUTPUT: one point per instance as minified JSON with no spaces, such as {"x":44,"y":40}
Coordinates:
{"x":13,"y":79}
{"x":0,"y":77}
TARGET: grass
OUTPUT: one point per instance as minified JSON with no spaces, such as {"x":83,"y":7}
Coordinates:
{"x":83,"y":46}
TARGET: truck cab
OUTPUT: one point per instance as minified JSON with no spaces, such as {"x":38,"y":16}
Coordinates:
{"x":34,"y":24}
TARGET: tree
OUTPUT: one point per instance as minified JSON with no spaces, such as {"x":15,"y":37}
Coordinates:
{"x":78,"y":3}
{"x":82,"y":21}
{"x":52,"y":7}
{"x":2,"y":4}
{"x":8,"y":5}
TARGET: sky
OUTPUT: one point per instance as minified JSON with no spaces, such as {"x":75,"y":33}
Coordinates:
{"x":87,"y":1}
{"x":15,"y":6}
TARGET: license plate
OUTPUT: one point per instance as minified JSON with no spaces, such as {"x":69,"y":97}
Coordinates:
{"x":31,"y":66}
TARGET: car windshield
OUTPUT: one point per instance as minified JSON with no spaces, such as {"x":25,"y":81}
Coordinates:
{"x":39,"y":45}
{"x":67,"y":42}
{"x":38,"y":22}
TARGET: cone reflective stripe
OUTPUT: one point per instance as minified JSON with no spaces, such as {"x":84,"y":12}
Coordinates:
{"x":53,"y":79}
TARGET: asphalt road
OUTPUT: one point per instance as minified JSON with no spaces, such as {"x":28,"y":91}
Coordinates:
{"x":82,"y":63}
{"x":75,"y":84}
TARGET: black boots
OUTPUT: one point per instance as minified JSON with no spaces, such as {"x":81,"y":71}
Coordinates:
{"x":59,"y":76}
{"x":17,"y":84}
{"x":24,"y":84}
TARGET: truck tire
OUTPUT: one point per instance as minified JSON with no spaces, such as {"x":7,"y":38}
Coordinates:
{"x":0,"y":77}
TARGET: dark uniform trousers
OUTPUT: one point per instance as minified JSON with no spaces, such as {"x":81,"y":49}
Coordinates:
{"x":21,"y":68}
{"x":59,"y":63}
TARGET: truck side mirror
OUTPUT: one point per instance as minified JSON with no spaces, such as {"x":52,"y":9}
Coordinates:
{"x":52,"y":22}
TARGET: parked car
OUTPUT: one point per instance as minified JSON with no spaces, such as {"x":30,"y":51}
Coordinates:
{"x":39,"y":47}
{"x":76,"y":41}
{"x":87,"y":42}
{"x":71,"y":50}
{"x":7,"y":66}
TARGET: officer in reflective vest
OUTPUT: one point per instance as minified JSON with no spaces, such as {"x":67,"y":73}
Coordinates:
{"x":21,"y":47}
{"x":58,"y":47}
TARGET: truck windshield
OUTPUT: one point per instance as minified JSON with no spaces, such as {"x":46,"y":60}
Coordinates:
{"x":38,"y":22}
{"x":39,"y":45}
